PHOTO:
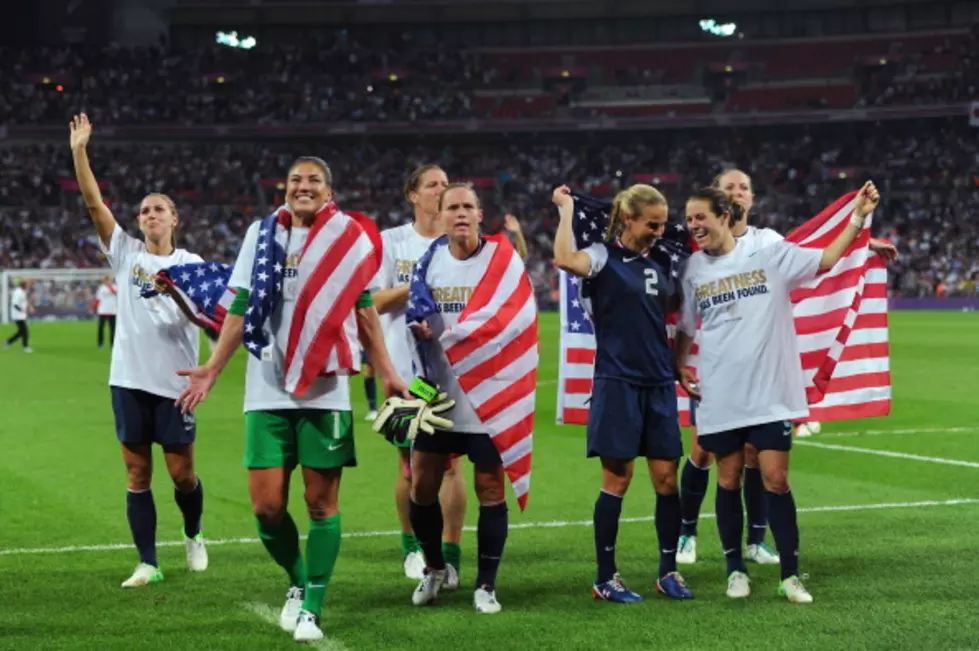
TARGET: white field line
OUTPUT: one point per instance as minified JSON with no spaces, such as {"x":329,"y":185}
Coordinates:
{"x":884,"y":432}
{"x":887,"y":453}
{"x":271,"y":615}
{"x":557,"y":524}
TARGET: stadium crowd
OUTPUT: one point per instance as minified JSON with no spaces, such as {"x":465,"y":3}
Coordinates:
{"x":924,"y":171}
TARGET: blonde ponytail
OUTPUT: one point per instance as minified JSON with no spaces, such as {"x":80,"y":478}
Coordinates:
{"x":628,"y":203}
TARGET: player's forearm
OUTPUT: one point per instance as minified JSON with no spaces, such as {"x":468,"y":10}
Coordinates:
{"x":371,"y":337}
{"x":835,"y":251}
{"x":89,"y":186}
{"x":565,"y":257}
{"x":389,"y":300}
{"x":681,"y":349}
{"x":232,"y":333}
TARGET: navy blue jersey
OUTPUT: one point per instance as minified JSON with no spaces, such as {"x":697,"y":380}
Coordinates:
{"x":628,"y":298}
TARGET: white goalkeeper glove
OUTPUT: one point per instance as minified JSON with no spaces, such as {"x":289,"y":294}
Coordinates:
{"x":400,"y":419}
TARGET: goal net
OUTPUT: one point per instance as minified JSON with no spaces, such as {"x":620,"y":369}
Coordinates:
{"x":56,"y":294}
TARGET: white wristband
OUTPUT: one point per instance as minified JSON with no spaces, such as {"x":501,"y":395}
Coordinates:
{"x":857,"y":220}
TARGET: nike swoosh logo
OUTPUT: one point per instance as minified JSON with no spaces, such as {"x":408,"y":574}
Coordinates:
{"x":335,"y":446}
{"x":635,"y":257}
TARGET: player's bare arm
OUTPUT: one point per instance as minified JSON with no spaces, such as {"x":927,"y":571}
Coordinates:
{"x":372,"y":339}
{"x":512,"y":225}
{"x":681,"y":353}
{"x":202,"y":378}
{"x":867,"y":200}
{"x":390,"y":300}
{"x":565,"y":257}
{"x":81,"y":132}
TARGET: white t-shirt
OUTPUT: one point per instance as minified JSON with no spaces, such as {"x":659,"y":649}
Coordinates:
{"x":264,"y":388}
{"x":154,"y":339}
{"x":403,"y":247}
{"x":108,"y":299}
{"x":748,"y":365}
{"x":758,"y":237}
{"x":18,"y":304}
{"x":452,"y":282}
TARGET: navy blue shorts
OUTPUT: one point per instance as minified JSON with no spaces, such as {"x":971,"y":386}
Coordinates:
{"x":767,"y":436}
{"x":145,"y":418}
{"x":626,"y":421}
{"x":478,"y":447}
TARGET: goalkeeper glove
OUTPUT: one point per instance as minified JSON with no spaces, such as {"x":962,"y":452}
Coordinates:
{"x":400,"y":419}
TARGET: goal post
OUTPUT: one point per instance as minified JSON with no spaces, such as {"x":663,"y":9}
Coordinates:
{"x":56,"y":294}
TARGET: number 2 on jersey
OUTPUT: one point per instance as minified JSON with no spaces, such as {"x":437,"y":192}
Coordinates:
{"x":652,"y":279}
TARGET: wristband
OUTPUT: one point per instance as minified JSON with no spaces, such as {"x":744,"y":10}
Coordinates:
{"x":422,"y":388}
{"x":857,"y":220}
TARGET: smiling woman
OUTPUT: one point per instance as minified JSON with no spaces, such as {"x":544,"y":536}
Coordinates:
{"x":156,"y":339}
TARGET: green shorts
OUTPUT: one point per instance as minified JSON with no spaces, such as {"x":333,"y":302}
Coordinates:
{"x":312,"y":438}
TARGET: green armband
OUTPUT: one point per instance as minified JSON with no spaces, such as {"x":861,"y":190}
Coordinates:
{"x":240,"y":303}
{"x":365,"y":300}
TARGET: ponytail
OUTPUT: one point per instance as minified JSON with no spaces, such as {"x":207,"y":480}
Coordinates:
{"x":628,"y":203}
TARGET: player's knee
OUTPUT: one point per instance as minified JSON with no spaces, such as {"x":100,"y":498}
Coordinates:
{"x":665,"y":483}
{"x":138,"y":474}
{"x":490,"y":488}
{"x":776,"y":480}
{"x":750,"y":456}
{"x":729,"y":478}
{"x":269,"y":512}
{"x":185,"y":482}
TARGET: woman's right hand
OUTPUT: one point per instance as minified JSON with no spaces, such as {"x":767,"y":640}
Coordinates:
{"x":81,"y":131}
{"x":562,"y":197}
{"x":688,"y":380}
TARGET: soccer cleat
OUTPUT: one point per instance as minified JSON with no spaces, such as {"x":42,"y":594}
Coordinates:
{"x":196,"y":553}
{"x":307,"y":628}
{"x":428,"y":590}
{"x":371,"y":415}
{"x":762,"y":554}
{"x":28,"y":350}
{"x":144,"y":574}
{"x":289,"y":617}
{"x":673,"y":586}
{"x":484,"y":601}
{"x":615,"y":590}
{"x":738,"y":585}
{"x":451,"y":578}
{"x":686,"y":551}
{"x":793,"y":589}
{"x":414,"y":566}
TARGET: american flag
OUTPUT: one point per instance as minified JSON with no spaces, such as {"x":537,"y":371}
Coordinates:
{"x":202,"y":287}
{"x":341,"y":254}
{"x":840,"y":319}
{"x":493,"y":350}
{"x":577,"y":361}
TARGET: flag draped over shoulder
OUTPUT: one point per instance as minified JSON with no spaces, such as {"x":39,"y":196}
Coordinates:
{"x":341,"y":255}
{"x":493,"y":350}
{"x":840,"y":319}
{"x":203,"y":289}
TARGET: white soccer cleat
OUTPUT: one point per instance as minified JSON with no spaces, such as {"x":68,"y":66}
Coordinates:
{"x":289,"y":617}
{"x":28,"y":350}
{"x":371,"y":415}
{"x":686,"y":551}
{"x":451,"y":578}
{"x":414,"y":566}
{"x":196,"y":553}
{"x":485,"y":603}
{"x":143,"y":575}
{"x":793,"y":589}
{"x":762,"y":554}
{"x":738,"y":585}
{"x":428,"y":590}
{"x":307,"y":628}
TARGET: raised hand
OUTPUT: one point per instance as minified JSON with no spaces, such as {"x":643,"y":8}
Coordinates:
{"x":867,"y":200}
{"x":562,"y":197}
{"x":81,"y":131}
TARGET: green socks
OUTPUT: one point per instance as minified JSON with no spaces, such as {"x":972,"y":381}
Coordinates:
{"x":322,"y":549}
{"x":409,"y":544}
{"x":282,"y":542}
{"x":452,"y":554}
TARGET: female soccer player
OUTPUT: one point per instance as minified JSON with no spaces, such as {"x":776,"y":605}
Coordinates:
{"x":737,"y":186}
{"x":282,"y":429}
{"x":751,"y":384}
{"x":20,"y":309}
{"x":403,"y":246}
{"x":454,"y":270}
{"x":155,"y":340}
{"x":633,"y":406}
